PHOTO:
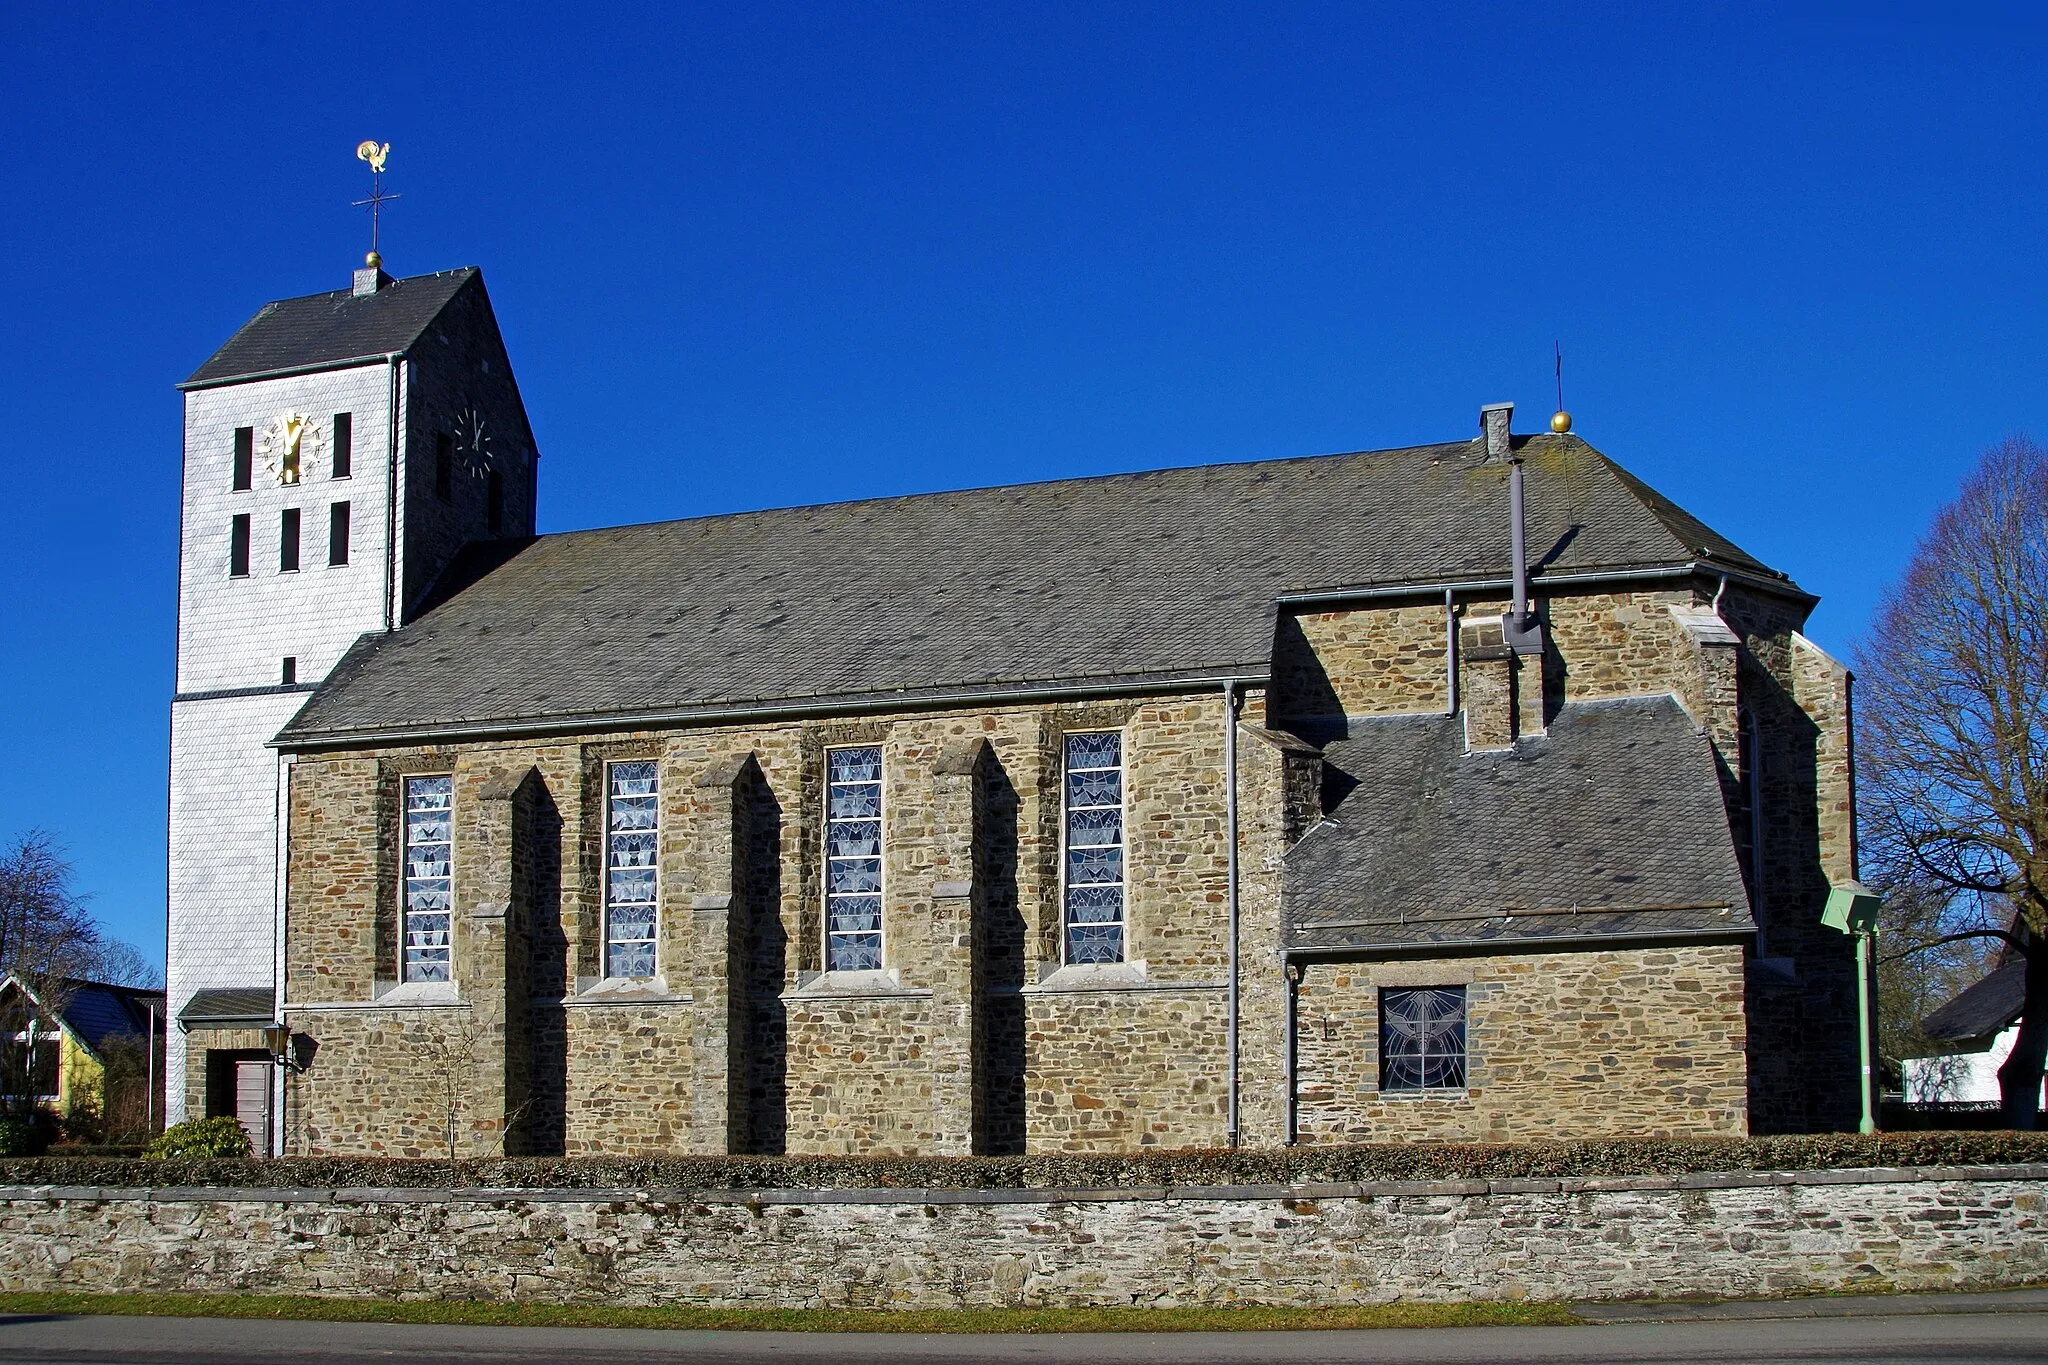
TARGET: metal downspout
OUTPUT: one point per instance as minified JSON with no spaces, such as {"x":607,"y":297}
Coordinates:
{"x":1290,"y":972}
{"x":1756,"y":830}
{"x":1450,"y":654}
{"x":1231,"y":698}
{"x":391,"y":493}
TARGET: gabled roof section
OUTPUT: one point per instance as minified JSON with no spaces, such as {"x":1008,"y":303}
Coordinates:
{"x":1976,"y":1017}
{"x":96,"y":1012}
{"x":333,"y":328}
{"x":1121,"y":581}
{"x":1609,"y":825}
{"x":221,"y":1006}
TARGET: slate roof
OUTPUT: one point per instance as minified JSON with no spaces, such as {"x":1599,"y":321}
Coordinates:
{"x":1610,"y":824}
{"x":323,"y":329}
{"x":227,"y":1005}
{"x":1130,"y":578}
{"x":97,"y":1011}
{"x":1983,"y":1011}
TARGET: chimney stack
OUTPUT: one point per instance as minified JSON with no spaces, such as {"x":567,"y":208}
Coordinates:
{"x":371,"y":277}
{"x":1522,"y":631}
{"x":1494,"y":421}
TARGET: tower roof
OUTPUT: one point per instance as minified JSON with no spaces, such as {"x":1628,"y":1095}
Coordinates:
{"x":321,"y":330}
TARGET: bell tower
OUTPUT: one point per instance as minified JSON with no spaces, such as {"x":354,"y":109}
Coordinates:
{"x":339,"y":450}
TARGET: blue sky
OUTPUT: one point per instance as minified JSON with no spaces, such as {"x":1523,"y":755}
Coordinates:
{"x":755,"y":255}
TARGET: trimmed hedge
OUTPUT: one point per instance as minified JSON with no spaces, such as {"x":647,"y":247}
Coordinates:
{"x":1301,"y":1165}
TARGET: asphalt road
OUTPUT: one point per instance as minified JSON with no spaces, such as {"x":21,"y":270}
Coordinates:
{"x":1983,"y":1328}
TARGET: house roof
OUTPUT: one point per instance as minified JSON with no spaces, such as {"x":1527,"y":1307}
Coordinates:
{"x":97,"y":1011}
{"x":219,"y":1006}
{"x":1982,"y":1011}
{"x":1610,"y":824}
{"x":326,"y":329}
{"x":1127,"y":579}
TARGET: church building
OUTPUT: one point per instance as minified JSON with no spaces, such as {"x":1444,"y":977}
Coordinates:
{"x":1468,"y":791}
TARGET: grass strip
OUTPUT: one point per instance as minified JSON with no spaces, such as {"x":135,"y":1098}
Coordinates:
{"x":1018,"y":1320}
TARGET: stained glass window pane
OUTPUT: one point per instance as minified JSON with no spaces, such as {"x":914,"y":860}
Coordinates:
{"x":632,"y":886}
{"x":429,"y":884}
{"x":1093,"y":877}
{"x":1422,"y":1038}
{"x":853,"y":859}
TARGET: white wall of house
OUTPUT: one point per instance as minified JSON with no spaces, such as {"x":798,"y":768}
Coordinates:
{"x":1961,"y":1077}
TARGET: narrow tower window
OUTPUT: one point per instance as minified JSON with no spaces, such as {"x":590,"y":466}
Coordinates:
{"x":632,"y":834}
{"x":245,"y":458}
{"x":290,"y":671}
{"x":444,"y":466}
{"x":337,"y":533}
{"x":344,"y":443}
{"x":288,"y":541}
{"x":429,"y":880}
{"x":238,"y":546}
{"x":1093,"y":870}
{"x":853,"y":859}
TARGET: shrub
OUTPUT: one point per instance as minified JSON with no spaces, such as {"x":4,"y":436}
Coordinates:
{"x":1386,"y":1161}
{"x":21,"y":1137}
{"x":201,"y":1139}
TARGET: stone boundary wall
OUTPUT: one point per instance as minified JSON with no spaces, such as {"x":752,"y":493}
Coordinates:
{"x":1340,"y":1243}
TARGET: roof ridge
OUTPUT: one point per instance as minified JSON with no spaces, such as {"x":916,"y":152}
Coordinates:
{"x":395,"y":282}
{"x":1075,"y":480}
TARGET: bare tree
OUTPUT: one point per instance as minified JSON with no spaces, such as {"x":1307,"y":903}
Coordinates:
{"x":46,"y":940}
{"x":1954,"y":734}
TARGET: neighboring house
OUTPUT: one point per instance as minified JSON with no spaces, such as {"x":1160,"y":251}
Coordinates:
{"x":71,"y":1045}
{"x":1237,"y":804}
{"x":1975,"y":1033}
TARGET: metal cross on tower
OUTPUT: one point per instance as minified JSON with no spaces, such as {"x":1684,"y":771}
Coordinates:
{"x":374,"y":153}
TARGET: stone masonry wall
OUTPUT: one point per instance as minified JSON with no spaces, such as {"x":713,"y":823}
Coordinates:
{"x":1078,"y":1058}
{"x":1338,"y":1244}
{"x":1558,"y":1045}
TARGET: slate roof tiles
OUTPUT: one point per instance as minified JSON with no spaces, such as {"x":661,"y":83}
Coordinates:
{"x":1172,"y":574}
{"x":1609,"y":824}
{"x":325,"y":329}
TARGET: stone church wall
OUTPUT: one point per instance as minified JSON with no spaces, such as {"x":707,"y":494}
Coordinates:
{"x":975,"y":1034}
{"x":1077,"y":1058}
{"x":1557,"y":1045}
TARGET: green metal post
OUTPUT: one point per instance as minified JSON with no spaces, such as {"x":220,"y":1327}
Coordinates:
{"x":1869,"y":1124}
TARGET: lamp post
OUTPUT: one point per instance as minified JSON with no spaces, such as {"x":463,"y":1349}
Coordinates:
{"x":1852,"y":908}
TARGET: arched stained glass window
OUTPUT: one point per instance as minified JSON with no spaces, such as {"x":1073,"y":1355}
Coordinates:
{"x":853,"y":859}
{"x":632,"y":849}
{"x":429,"y":868}
{"x":1422,"y":1038}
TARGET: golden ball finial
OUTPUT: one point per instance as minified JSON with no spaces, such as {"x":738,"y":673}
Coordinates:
{"x":1560,"y":421}
{"x":373,"y":260}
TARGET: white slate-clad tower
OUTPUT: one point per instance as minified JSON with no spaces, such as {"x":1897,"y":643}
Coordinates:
{"x":339,"y":451}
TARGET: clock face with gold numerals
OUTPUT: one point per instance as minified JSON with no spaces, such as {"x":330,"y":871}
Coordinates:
{"x":290,"y":443}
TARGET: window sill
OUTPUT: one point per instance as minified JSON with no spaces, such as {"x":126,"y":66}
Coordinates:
{"x":408,"y":995}
{"x":881,"y":985}
{"x":627,"y":990}
{"x":1095,"y":976}
{"x":1460,"y":1095}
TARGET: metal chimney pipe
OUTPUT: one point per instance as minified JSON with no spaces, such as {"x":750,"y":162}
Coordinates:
{"x":1517,"y":549}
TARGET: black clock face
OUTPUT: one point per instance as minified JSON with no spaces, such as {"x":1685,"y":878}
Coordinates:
{"x":473,"y":442}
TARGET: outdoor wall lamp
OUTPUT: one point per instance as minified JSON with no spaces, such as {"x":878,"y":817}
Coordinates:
{"x":278,"y":1039}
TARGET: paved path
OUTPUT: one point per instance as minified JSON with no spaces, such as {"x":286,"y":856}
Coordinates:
{"x":1920,"y":1328}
